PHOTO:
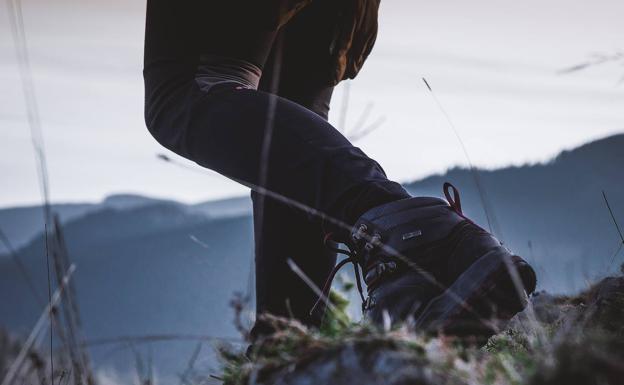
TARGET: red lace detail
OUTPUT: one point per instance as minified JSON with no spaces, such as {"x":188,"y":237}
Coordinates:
{"x":454,"y":201}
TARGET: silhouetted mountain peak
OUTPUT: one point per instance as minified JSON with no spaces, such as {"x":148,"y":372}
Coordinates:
{"x":148,"y":218}
{"x":123,"y":201}
{"x":610,"y":149}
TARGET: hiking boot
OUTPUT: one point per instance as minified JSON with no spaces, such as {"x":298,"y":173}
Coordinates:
{"x":422,"y":259}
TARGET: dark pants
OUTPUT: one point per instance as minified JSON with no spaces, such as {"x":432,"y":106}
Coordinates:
{"x":263,"y":140}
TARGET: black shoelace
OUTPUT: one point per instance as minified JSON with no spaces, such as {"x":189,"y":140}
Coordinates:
{"x":351,"y":258}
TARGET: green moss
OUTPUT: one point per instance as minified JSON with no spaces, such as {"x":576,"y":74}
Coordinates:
{"x":234,"y":371}
{"x":337,"y":321}
{"x":510,"y":341}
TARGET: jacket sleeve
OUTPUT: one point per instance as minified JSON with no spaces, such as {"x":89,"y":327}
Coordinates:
{"x":276,"y":13}
{"x":355,"y":30}
{"x":354,"y":39}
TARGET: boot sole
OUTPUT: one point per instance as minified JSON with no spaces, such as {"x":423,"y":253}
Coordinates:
{"x":481,"y":299}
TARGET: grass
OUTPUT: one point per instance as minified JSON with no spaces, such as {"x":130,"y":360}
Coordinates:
{"x":578,"y":340}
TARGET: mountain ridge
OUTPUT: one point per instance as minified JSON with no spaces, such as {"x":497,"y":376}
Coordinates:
{"x":22,"y":223}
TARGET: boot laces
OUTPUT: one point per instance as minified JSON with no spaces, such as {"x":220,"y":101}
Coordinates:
{"x":454,"y":202}
{"x":351,"y":258}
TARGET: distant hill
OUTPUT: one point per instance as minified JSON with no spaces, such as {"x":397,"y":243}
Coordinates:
{"x":149,"y":266}
{"x":558,"y":207}
{"x":149,"y":270}
{"x":22,"y":224}
{"x":226,"y":208}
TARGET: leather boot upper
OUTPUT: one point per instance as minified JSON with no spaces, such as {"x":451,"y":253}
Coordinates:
{"x":390,"y":236}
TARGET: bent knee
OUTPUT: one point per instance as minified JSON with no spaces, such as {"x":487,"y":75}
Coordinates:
{"x":168,"y":131}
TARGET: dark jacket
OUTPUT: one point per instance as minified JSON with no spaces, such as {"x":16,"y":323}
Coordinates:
{"x":354,"y":34}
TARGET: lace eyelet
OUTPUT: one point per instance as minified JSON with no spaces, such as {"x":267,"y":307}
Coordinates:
{"x":375,"y":241}
{"x":360,"y":231}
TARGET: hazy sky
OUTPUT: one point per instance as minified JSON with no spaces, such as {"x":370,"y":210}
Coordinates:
{"x":493,"y":65}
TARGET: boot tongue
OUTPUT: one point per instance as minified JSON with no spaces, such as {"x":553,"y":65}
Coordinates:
{"x":399,"y":228}
{"x":383,"y":218}
{"x":391,"y":208}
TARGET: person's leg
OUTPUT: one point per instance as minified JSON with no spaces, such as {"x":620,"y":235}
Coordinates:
{"x":288,"y":152}
{"x":261,"y":140}
{"x":306,"y":160}
{"x":282,"y":232}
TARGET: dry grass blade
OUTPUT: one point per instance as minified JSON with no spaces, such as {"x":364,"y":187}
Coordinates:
{"x":494,"y":228}
{"x":34,"y":122}
{"x":297,"y":270}
{"x":364,"y":116}
{"x":69,"y":306}
{"x":617,"y":251}
{"x":597,"y":59}
{"x":364,"y":131}
{"x":198,"y":241}
{"x":342,"y":121}
{"x":269,"y":127}
{"x":617,"y":226}
{"x":30,"y":341}
{"x":189,"y":368}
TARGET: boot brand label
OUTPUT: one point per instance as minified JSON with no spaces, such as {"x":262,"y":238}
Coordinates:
{"x":411,"y":235}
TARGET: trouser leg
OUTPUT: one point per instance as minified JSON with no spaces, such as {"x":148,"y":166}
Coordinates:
{"x":259,"y":139}
{"x":283,"y":233}
{"x":306,"y":160}
{"x":267,"y":142}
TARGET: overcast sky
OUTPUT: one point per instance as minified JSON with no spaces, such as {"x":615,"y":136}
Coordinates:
{"x":493,"y":65}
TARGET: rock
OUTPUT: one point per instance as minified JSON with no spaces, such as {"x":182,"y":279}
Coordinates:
{"x":558,"y":340}
{"x":359,"y":362}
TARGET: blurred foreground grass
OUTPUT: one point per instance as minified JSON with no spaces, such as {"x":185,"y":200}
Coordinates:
{"x":559,"y":340}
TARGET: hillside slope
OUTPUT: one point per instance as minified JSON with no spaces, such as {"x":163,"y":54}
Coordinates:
{"x":152,"y":270}
{"x":554,"y":214}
